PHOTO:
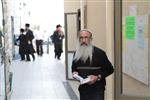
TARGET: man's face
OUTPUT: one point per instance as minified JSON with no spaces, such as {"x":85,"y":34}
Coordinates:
{"x":59,"y":28}
{"x":26,"y":28}
{"x":84,"y":38}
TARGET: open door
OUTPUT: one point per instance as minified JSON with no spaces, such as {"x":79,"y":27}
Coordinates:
{"x":71,"y":31}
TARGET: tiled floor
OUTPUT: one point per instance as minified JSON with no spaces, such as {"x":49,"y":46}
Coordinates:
{"x":41,"y":79}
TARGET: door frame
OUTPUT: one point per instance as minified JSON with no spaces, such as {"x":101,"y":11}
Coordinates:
{"x":66,"y":39}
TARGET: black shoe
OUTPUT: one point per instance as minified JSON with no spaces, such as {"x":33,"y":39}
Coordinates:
{"x":58,"y":58}
{"x":55,"y":56}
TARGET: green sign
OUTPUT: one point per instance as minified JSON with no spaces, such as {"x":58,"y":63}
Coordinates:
{"x":130,"y":27}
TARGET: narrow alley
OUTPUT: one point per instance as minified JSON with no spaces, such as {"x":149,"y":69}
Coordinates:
{"x":42,"y":79}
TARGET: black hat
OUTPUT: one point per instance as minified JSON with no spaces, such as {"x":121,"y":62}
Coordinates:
{"x":21,"y":30}
{"x":27,"y":25}
{"x":58,"y":26}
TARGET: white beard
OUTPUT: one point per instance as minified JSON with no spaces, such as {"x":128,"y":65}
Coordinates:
{"x":84,"y":52}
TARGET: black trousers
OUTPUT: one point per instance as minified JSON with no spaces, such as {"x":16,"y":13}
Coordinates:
{"x":28,"y":57}
{"x":58,"y":49}
{"x":39,"y":47}
{"x":92,"y":96}
{"x":22,"y":56}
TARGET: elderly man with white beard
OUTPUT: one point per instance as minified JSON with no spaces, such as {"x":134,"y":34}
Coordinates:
{"x":92,"y":62}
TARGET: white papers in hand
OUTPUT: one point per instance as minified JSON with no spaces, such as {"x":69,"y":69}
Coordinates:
{"x":86,"y":80}
{"x":81,"y":79}
{"x":77,"y":77}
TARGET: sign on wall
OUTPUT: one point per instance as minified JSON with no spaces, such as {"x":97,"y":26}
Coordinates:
{"x":135,"y":50}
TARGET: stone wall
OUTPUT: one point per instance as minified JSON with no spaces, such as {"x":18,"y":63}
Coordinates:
{"x":7,"y":7}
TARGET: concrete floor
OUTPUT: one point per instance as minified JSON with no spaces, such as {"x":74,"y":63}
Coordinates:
{"x":41,"y":79}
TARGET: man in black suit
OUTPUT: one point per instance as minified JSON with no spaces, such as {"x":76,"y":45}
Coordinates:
{"x":22,"y":44}
{"x":58,"y":37}
{"x":29,"y":37}
{"x":90,"y":62}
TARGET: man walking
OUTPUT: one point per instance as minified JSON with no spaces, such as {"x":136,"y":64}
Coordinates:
{"x":58,"y":37}
{"x":90,"y":62}
{"x":29,"y":37}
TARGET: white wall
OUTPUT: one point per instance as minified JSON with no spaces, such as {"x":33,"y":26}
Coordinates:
{"x":71,"y":5}
{"x":96,"y":22}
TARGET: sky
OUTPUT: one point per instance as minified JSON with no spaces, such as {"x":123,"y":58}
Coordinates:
{"x":47,"y":13}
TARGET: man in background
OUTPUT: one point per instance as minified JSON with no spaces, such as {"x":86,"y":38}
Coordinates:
{"x":39,"y":36}
{"x":22,"y":44}
{"x":58,"y":37}
{"x":29,"y":37}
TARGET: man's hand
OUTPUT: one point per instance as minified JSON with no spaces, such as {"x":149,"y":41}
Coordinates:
{"x":77,"y":77}
{"x":93,"y":79}
{"x":29,"y":42}
{"x":74,"y":73}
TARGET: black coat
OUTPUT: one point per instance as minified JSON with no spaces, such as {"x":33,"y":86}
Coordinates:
{"x":104,"y":68}
{"x":29,"y":37}
{"x":22,"y":43}
{"x":57,"y":38}
{"x":58,"y":42}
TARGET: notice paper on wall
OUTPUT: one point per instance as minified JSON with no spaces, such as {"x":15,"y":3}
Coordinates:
{"x":133,"y":10}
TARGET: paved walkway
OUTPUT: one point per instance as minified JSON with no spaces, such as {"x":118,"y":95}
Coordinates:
{"x":42,"y":79}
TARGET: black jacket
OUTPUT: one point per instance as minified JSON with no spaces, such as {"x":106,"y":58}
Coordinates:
{"x":57,"y":38}
{"x":29,"y":37}
{"x":100,"y":65}
{"x":22,"y":43}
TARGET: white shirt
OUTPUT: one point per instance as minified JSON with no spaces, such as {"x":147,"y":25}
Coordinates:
{"x":39,"y":35}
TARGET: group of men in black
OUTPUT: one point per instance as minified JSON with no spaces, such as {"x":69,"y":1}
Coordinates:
{"x":26,"y":46}
{"x":25,"y":43}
